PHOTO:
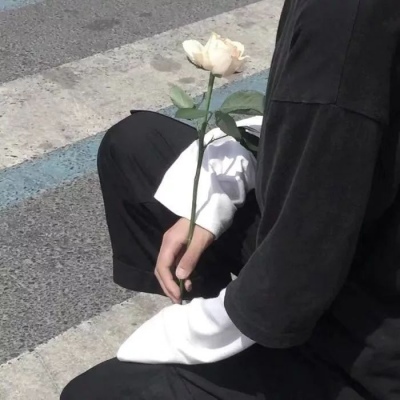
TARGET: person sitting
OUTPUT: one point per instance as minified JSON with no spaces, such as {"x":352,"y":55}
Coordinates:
{"x":311,"y":228}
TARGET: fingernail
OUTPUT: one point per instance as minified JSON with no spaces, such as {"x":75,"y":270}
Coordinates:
{"x":180,"y":273}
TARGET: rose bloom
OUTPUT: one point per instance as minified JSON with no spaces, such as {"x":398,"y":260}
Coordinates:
{"x":220,"y":56}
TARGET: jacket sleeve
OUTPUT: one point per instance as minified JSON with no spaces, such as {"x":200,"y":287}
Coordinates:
{"x":195,"y":333}
{"x":227,"y":175}
{"x":316,"y":170}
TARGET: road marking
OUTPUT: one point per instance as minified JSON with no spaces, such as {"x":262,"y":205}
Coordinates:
{"x":32,"y":177}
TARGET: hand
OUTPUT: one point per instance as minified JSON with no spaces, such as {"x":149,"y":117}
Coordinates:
{"x":173,"y":253}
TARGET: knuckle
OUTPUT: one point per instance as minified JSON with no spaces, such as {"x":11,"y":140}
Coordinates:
{"x":169,"y":239}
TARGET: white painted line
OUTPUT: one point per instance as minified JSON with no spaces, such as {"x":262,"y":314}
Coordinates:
{"x":45,"y":111}
{"x":41,"y":374}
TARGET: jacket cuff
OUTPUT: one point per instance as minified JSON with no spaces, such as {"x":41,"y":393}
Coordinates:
{"x":216,"y":215}
{"x":227,"y":174}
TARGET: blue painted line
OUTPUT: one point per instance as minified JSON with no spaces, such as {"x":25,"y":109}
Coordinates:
{"x":10,"y":4}
{"x":68,"y":163}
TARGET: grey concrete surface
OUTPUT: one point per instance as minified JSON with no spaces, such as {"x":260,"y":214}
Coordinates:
{"x":42,"y":373}
{"x":55,"y":266}
{"x":54,"y":32}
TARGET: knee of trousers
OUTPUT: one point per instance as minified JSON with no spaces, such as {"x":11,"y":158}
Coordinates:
{"x":127,"y":138}
{"x":71,"y":391}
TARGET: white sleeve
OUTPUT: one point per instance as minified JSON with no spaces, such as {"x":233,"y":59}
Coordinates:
{"x":227,"y":175}
{"x":195,"y":333}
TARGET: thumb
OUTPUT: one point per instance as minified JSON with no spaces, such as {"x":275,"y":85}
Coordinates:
{"x":188,"y":261}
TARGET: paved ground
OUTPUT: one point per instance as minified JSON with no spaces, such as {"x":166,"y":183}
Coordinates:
{"x":62,"y":83}
{"x":45,"y":34}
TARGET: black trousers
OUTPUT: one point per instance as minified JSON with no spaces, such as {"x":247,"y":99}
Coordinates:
{"x":132,"y":160}
{"x":133,"y":157}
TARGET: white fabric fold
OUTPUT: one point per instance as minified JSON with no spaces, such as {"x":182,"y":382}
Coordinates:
{"x":195,"y":333}
{"x":227,"y":175}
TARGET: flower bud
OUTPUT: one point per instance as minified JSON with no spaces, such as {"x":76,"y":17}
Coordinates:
{"x":220,"y":56}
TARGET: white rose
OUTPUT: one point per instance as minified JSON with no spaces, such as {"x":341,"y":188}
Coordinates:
{"x":220,"y":56}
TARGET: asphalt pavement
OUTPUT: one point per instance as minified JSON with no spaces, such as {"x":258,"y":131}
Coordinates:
{"x":44,"y":34}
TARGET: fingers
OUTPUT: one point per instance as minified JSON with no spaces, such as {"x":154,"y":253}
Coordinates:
{"x":201,"y":240}
{"x":166,"y":262}
{"x":188,"y":285}
{"x":189,"y":260}
{"x":166,"y":291}
{"x":168,"y":285}
{"x":173,"y":253}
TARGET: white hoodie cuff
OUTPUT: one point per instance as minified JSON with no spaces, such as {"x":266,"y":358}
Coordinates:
{"x":227,"y":175}
{"x":195,"y":333}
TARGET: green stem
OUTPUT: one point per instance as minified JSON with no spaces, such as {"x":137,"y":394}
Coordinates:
{"x":201,"y":135}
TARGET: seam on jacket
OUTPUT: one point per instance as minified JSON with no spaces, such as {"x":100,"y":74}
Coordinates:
{"x":347,"y":51}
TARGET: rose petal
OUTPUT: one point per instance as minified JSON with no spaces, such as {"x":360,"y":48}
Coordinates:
{"x":213,"y":38}
{"x":210,"y":42}
{"x":206,"y":63}
{"x":194,"y":50}
{"x":216,"y":42}
{"x":239,"y":46}
{"x":220,"y":60}
{"x":236,"y":65}
{"x":198,"y":60}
